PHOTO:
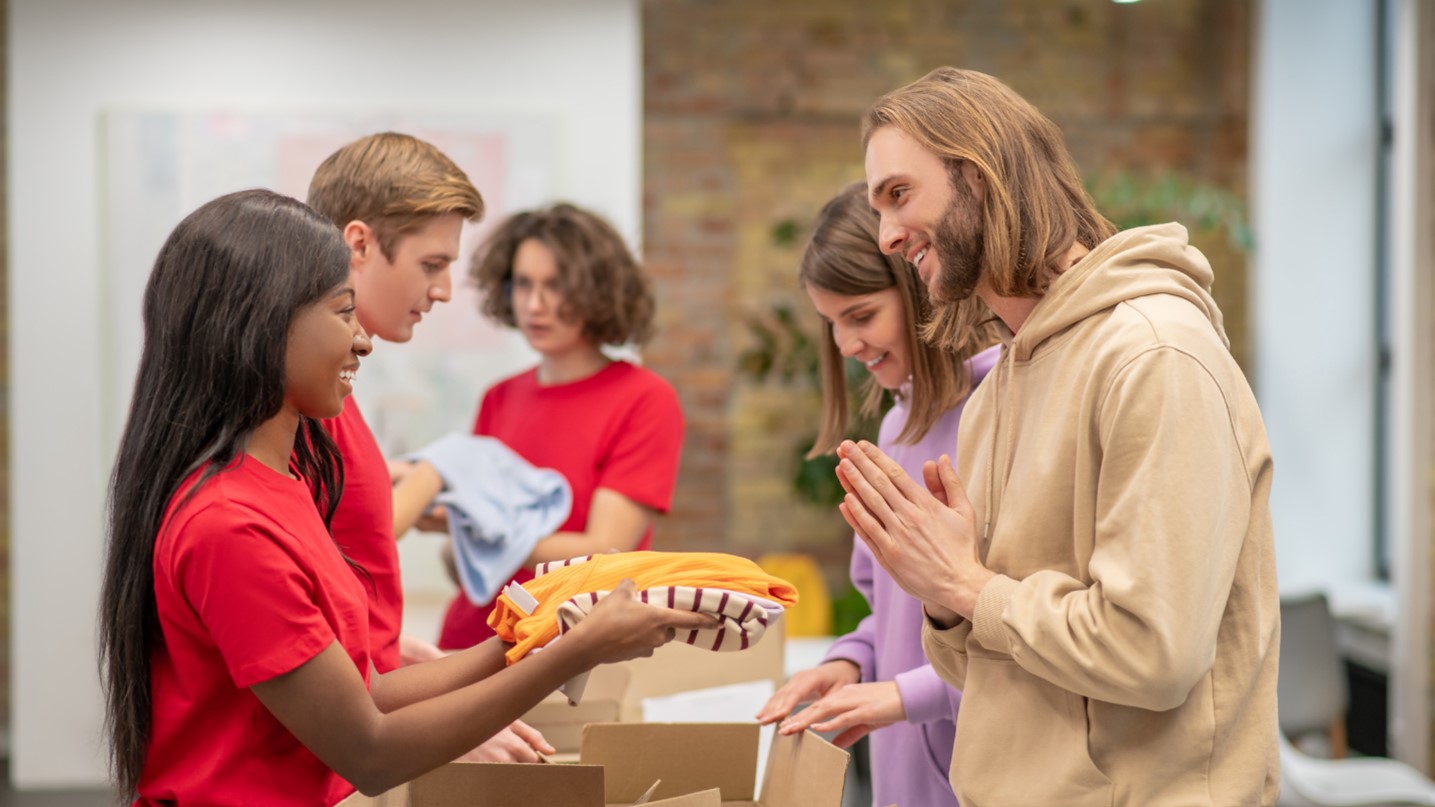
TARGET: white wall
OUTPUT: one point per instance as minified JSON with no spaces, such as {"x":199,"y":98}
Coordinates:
{"x":70,"y":59}
{"x":1314,"y":150}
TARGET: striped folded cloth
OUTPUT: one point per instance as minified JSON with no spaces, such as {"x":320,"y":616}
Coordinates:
{"x":743,"y":597}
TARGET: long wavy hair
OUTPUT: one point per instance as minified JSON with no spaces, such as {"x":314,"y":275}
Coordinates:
{"x":1036,"y":206}
{"x":217,"y":310}
{"x":843,"y":257}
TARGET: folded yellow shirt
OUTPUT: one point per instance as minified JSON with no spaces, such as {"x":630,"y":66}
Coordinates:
{"x":732,"y":588}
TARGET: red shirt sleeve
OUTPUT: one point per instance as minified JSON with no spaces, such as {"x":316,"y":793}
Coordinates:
{"x":256,"y":598}
{"x":643,"y":464}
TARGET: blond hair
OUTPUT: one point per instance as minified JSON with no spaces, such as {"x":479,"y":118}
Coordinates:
{"x":394,"y":183}
{"x":1035,"y":208}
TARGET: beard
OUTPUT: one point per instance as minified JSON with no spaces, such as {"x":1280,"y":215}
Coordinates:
{"x":960,"y":241}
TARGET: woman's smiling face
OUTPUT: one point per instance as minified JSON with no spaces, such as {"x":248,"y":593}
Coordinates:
{"x":870,"y":328}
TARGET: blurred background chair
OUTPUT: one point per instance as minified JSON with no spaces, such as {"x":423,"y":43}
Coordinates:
{"x":1312,"y":693}
{"x":1312,"y":699}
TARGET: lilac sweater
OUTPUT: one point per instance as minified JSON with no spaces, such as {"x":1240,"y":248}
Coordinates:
{"x":909,"y":760}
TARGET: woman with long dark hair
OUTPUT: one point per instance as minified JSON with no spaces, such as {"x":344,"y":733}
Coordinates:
{"x":234,"y":633}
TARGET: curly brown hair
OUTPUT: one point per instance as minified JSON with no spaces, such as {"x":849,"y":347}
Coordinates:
{"x":603,"y":285}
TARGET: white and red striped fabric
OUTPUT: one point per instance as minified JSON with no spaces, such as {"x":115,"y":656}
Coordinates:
{"x":744,"y":617}
{"x":744,"y":598}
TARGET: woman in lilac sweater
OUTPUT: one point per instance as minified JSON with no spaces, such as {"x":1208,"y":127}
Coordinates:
{"x":875,"y":679}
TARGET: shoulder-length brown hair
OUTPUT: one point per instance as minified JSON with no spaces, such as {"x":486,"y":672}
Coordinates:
{"x":603,"y":285}
{"x":843,"y":257}
{"x":1035,"y":207}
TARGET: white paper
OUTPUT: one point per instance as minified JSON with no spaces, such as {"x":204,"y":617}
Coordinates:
{"x":734,"y":703}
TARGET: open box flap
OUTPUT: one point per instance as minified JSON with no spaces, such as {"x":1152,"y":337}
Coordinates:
{"x":804,"y":770}
{"x":705,"y":798}
{"x":687,"y":757}
{"x":508,"y":785}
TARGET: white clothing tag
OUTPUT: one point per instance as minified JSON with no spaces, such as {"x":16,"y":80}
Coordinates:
{"x":521,"y":599}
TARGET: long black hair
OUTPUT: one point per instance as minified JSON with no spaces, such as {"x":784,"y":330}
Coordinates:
{"x":217,"y":310}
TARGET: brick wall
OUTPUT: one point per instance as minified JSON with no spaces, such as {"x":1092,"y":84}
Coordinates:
{"x":750,"y":120}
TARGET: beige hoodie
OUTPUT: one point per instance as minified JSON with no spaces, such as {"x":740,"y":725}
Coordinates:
{"x":1126,"y":653}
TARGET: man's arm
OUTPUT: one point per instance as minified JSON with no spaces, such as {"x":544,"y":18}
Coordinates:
{"x":1171,"y":514}
{"x":1172,"y":509}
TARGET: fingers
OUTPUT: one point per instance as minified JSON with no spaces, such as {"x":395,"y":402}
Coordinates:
{"x":870,"y":498}
{"x":520,"y":751}
{"x":850,"y":518}
{"x":850,"y":515}
{"x":932,"y":478}
{"x":828,"y":714}
{"x":865,"y":524}
{"x":842,"y":477}
{"x":689,"y":620}
{"x":532,"y":736}
{"x":504,"y":746}
{"x":797,"y":723}
{"x":799,"y":689}
{"x":884,"y":474}
{"x":778,"y":707}
{"x":956,"y":492}
{"x":852,"y":735}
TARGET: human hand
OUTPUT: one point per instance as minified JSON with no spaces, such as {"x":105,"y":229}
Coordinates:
{"x":853,"y":711}
{"x":807,"y":686}
{"x":927,"y":544}
{"x":434,"y":519}
{"x":398,"y":469}
{"x":620,"y":627}
{"x":517,"y":742}
{"x":413,"y":650}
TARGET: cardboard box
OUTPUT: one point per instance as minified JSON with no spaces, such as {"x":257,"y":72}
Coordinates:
{"x":615,"y":692}
{"x":691,"y":764}
{"x":489,"y":784}
{"x":803,"y":770}
{"x":484,"y":784}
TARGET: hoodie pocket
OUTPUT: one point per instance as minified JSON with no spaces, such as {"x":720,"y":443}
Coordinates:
{"x":1023,"y":741}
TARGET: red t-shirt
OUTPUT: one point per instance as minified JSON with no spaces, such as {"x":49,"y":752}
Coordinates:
{"x":248,"y":586}
{"x":620,"y":428}
{"x":363,"y":527}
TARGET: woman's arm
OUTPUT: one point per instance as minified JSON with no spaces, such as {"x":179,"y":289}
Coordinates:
{"x":413,"y":493}
{"x":326,"y":705}
{"x":418,"y":682}
{"x":615,"y":522}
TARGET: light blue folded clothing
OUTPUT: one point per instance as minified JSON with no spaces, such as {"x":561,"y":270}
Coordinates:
{"x":499,"y":507}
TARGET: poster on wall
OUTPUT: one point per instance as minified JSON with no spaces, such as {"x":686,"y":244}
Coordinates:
{"x":157,"y":166}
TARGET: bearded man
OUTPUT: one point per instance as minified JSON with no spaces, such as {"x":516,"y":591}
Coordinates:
{"x":1106,"y":596}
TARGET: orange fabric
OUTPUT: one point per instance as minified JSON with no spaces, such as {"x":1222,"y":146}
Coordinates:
{"x":603,"y":573}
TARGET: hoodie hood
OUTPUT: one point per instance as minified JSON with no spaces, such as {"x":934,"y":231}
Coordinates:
{"x":1139,"y":262}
